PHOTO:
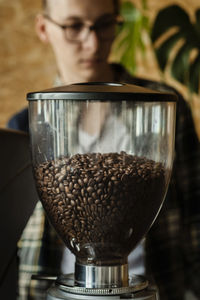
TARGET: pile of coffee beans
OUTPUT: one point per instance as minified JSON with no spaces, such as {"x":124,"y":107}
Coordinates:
{"x":101,"y":204}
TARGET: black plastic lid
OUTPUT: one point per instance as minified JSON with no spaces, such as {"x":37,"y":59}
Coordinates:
{"x":103,"y":91}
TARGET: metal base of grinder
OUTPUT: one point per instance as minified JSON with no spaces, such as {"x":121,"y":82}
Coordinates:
{"x":65,"y":289}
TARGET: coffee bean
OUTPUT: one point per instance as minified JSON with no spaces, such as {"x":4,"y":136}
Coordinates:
{"x":61,"y":187}
{"x":91,"y":182}
{"x":85,"y":180}
{"x":96,"y":198}
{"x":90,"y":189}
{"x":70,"y":186}
{"x":99,"y":192}
{"x":72,"y":202}
{"x":94,"y":195}
{"x":77,"y":186}
{"x":80,"y":182}
{"x":90,"y":200}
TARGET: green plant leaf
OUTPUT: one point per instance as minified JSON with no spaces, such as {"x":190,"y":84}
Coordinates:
{"x":180,"y":65}
{"x":197,"y":17}
{"x":184,"y":32}
{"x":197,"y":14}
{"x":129,"y":12}
{"x":163,"y":52}
{"x":194,"y":75}
{"x":129,"y":38}
{"x":167,"y":18}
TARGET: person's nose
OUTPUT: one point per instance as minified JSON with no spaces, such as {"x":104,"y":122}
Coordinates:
{"x":92,"y":41}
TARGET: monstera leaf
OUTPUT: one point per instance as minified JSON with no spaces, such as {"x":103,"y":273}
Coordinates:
{"x":129,"y":37}
{"x":185,"y":36}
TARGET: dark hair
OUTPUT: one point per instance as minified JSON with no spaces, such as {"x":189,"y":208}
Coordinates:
{"x":116,"y":5}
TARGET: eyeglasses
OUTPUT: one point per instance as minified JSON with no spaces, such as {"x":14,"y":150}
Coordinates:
{"x":79,"y":31}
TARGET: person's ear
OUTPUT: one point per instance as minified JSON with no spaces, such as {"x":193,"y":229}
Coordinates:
{"x":40,"y":27}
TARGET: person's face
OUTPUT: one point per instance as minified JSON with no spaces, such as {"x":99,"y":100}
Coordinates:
{"x":85,"y":60}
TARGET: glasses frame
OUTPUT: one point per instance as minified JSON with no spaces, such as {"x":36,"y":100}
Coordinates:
{"x":118,"y":20}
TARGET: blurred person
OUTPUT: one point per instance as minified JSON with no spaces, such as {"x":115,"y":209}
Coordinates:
{"x":81,"y":34}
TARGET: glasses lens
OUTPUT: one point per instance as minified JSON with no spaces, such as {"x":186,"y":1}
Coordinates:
{"x":105,"y":29}
{"x":75,"y":31}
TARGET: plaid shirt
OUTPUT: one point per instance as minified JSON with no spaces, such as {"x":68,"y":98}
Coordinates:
{"x":173,"y":242}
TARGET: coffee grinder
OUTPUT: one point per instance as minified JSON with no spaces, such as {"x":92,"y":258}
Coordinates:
{"x":102,"y":157}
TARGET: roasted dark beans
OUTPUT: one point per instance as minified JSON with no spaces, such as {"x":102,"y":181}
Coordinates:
{"x":107,"y":201}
